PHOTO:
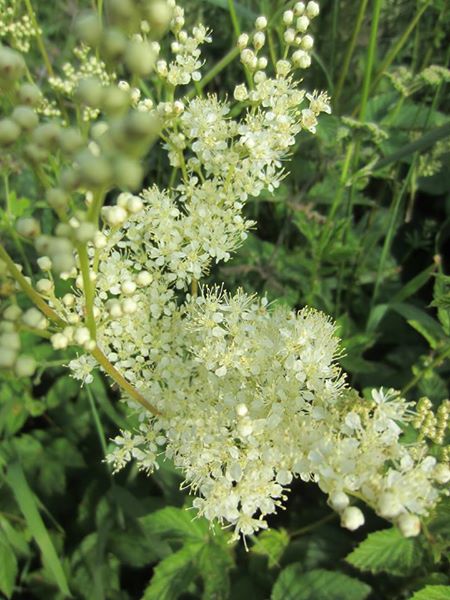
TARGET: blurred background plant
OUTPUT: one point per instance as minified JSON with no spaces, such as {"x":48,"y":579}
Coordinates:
{"x":360,"y":228}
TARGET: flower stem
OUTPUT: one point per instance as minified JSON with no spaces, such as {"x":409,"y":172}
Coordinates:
{"x":39,"y":39}
{"x":312,"y":526}
{"x":88,"y":288}
{"x":234,"y":18}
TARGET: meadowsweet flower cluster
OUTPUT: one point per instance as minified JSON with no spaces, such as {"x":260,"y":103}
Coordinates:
{"x":16,"y":28}
{"x":244,"y":397}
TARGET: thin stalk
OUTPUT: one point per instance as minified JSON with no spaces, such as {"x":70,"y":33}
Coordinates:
{"x":390,"y":233}
{"x":234,"y":18}
{"x":122,"y":382}
{"x":39,"y":38}
{"x":370,"y":59}
{"x":88,"y":288}
{"x":28,"y":289}
{"x":214,"y":71}
{"x":95,"y":207}
{"x":314,"y":525}
{"x":350,"y":50}
{"x":97,"y":421}
{"x":390,"y":57}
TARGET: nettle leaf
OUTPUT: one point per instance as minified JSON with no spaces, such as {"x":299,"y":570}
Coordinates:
{"x":205,"y":552}
{"x":433,"y":592}
{"x":173,"y":574}
{"x":387,"y":551}
{"x":293,"y":584}
{"x":8,"y":568}
{"x":271,"y":543}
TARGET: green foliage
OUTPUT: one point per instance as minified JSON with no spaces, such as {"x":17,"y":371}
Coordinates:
{"x":387,"y":552}
{"x":272,"y":543}
{"x":433,"y":592}
{"x":293,"y":584}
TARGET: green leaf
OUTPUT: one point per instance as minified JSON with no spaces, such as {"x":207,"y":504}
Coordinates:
{"x":271,"y":543}
{"x":214,"y":563}
{"x":173,"y":574}
{"x":293,"y":584}
{"x":177,"y":523}
{"x":433,"y":592}
{"x":27,"y":504}
{"x":8,"y":568}
{"x":386,"y":551}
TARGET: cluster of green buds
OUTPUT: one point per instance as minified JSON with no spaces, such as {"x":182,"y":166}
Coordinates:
{"x":432,"y":425}
{"x":13,"y":320}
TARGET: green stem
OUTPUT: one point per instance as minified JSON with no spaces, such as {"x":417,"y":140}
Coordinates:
{"x":39,"y":38}
{"x":234,"y":18}
{"x":314,"y":525}
{"x":214,"y":71}
{"x":26,"y":287}
{"x":97,"y":421}
{"x":370,"y":59}
{"x":399,"y":45}
{"x":88,"y":288}
{"x":96,"y":206}
{"x":350,"y":50}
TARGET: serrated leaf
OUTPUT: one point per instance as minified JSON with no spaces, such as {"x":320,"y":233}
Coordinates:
{"x":177,"y":523}
{"x":173,"y":574}
{"x":271,"y":543}
{"x":214,"y":563}
{"x":433,"y":592}
{"x":386,"y":551}
{"x":293,"y":584}
{"x":8,"y":568}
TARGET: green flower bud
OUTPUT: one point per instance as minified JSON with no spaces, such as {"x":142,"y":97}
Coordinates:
{"x":57,"y":198}
{"x":128,"y":173}
{"x":28,"y":227}
{"x":158,"y":13}
{"x":88,"y":27}
{"x":42,"y":244}
{"x":12,"y":64}
{"x":140,"y":58}
{"x":123,"y":12}
{"x":25,"y":366}
{"x":90,"y":92}
{"x":9,"y":132}
{"x":85,"y":232}
{"x":115,"y":100}
{"x":69,"y":180}
{"x":94,"y":171}
{"x":47,"y":135}
{"x":25,"y":117}
{"x":141,"y":125}
{"x":113,"y":44}
{"x":30,"y":94}
{"x":7,"y":357}
{"x":71,"y":140}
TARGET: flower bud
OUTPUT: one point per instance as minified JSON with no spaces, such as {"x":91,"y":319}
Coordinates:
{"x":144,"y":278}
{"x":261,"y":23}
{"x":25,"y":117}
{"x":158,"y":13}
{"x":312,"y":9}
{"x":9,"y":132}
{"x":59,"y":341}
{"x":71,"y":140}
{"x":243,"y":40}
{"x":129,"y":306}
{"x":30,"y":94}
{"x":338,"y":501}
{"x":409,"y":525}
{"x":302,"y":24}
{"x":352,"y":518}
{"x":240,"y":93}
{"x":88,"y":27}
{"x":25,"y":366}
{"x":299,"y":9}
{"x":441,"y":473}
{"x":34,"y":318}
{"x":44,"y":263}
{"x":57,"y":198}
{"x":140,"y":58}
{"x":259,"y":39}
{"x":35,"y":154}
{"x":90,"y":91}
{"x":10,"y":340}
{"x":115,"y":100}
{"x":114,"y":43}
{"x":389,"y":505}
{"x":114,"y":215}
{"x":7,"y":357}
{"x":47,"y":135}
{"x":94,"y":171}
{"x":12,"y":65}
{"x":12,"y":312}
{"x":28,"y":227}
{"x":44,"y":286}
{"x":307,"y":42}
{"x":128,"y":173}
{"x":85,"y":232}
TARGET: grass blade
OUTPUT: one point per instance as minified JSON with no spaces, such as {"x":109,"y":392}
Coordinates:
{"x":27,"y":504}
